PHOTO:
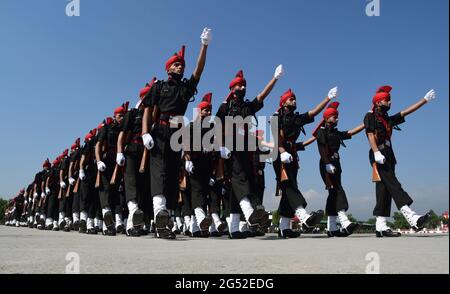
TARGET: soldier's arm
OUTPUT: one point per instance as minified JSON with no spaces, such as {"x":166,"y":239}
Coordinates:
{"x":356,"y":130}
{"x":120,"y":142}
{"x":316,"y":110}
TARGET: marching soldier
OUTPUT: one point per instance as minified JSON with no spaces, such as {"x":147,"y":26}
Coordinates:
{"x":286,"y":165}
{"x":72,"y":192}
{"x":379,"y":125}
{"x":130,"y":153}
{"x":329,"y":140}
{"x":105,"y":154}
{"x":63,"y":185}
{"x":89,"y":198}
{"x":169,"y":99}
{"x":239,"y":162}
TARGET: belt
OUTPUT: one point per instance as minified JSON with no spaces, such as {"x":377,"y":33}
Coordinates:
{"x":386,"y":144}
{"x":335,"y":155}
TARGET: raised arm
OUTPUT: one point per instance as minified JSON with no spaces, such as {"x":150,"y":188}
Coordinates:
{"x":431,"y":95}
{"x":205,"y":37}
{"x":268,"y":88}
{"x":356,"y":130}
{"x":331,"y":95}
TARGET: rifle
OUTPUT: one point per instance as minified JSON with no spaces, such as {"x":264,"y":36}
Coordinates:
{"x":283,"y":174}
{"x":75,"y":189}
{"x":180,"y":197}
{"x":183,"y":181}
{"x":98,"y":180}
{"x":220,"y":173}
{"x":375,"y":175}
{"x":143,"y":161}
{"x":114,"y":175}
{"x":60,"y":193}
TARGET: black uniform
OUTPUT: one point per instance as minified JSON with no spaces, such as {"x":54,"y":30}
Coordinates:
{"x":109,"y":194}
{"x":331,"y":139}
{"x":381,"y":125}
{"x":89,"y":198}
{"x":172,"y":98}
{"x":65,"y":203}
{"x":51,"y":201}
{"x":137,"y":185}
{"x":292,"y":125}
{"x":240,"y":163}
{"x":75,"y":160}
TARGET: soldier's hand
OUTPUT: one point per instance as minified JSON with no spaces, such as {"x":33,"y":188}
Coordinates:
{"x":211,"y":182}
{"x":47,"y":191}
{"x":42,"y":194}
{"x":431,"y":95}
{"x":62,"y":184}
{"x":206,"y":36}
{"x":35,"y":194}
{"x":332,"y":94}
{"x":331,"y":169}
{"x":101,"y":166}
{"x":82,"y":175}
{"x":225,"y":153}
{"x":286,"y":157}
{"x":278,"y":72}
{"x":148,"y":141}
{"x":189,"y":166}
{"x":379,"y":158}
{"x":71,"y":181}
{"x":120,"y":159}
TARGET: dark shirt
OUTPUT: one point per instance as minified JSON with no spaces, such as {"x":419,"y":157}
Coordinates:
{"x":373,"y":124}
{"x":332,"y":138}
{"x":170,"y":96}
{"x":132,"y":121}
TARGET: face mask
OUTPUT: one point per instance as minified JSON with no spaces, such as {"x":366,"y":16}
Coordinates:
{"x":240,"y":94}
{"x":291,"y":108}
{"x":385,"y":108}
{"x":175,"y":76}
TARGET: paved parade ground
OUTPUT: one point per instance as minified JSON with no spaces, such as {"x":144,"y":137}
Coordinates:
{"x":24,"y":250}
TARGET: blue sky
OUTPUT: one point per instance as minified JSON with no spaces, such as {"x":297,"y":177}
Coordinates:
{"x":61,"y":76}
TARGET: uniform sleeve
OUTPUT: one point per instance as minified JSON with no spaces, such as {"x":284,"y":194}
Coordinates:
{"x":256,"y":105}
{"x":299,"y":146}
{"x":370,"y":123}
{"x":305,"y":118}
{"x":344,"y":135}
{"x":321,"y":137}
{"x":221,"y":112}
{"x":396,"y":119}
{"x":126,"y":123}
{"x":152,"y":96}
{"x":101,"y":136}
{"x":192,"y":84}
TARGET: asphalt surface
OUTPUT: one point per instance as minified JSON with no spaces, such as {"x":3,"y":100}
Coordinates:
{"x":28,"y":251}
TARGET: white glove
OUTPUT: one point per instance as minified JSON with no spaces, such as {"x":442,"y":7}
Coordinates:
{"x":120,"y":159}
{"x":331,"y":169}
{"x":379,"y":158}
{"x":148,"y":141}
{"x":62,"y":184}
{"x":71,"y":181}
{"x":206,"y":36}
{"x":35,"y":194}
{"x":286,"y":157}
{"x":82,"y":174}
{"x":225,"y":153}
{"x":101,"y":166}
{"x":47,"y":191}
{"x":332,"y":94}
{"x":224,"y":191}
{"x":211,"y":182}
{"x":189,"y":166}
{"x":42,"y":194}
{"x":431,"y":95}
{"x":278,"y":72}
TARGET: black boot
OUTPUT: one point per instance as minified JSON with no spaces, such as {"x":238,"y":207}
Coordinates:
{"x":259,"y":216}
{"x":82,"y":229}
{"x":314,"y":219}
{"x":133,"y":232}
{"x":288,"y":233}
{"x":387,"y":233}
{"x":350,"y":229}
{"x":165,"y":233}
{"x":237,"y":235}
{"x":422,"y":222}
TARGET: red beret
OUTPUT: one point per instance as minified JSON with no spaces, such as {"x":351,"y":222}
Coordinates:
{"x":288,"y":94}
{"x":206,"y":101}
{"x":122,"y":109}
{"x":177,"y":57}
{"x":90,"y":135}
{"x":238,"y":80}
{"x":65,"y":153}
{"x":383,"y":93}
{"x":76,"y":144}
{"x":330,"y":111}
{"x":147,"y":88}
{"x":46,"y":163}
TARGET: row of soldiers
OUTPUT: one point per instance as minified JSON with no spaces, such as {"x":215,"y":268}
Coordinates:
{"x":127,"y":177}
